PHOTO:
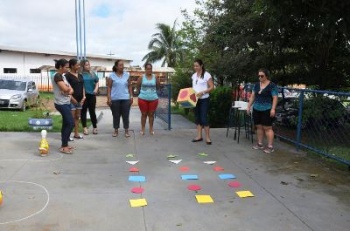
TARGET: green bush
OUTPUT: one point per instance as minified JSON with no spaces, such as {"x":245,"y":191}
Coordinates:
{"x":220,"y":103}
{"x":181,"y":79}
{"x":323,"y":111}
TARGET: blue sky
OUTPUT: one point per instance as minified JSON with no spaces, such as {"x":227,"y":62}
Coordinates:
{"x":122,"y":27}
{"x":102,"y":10}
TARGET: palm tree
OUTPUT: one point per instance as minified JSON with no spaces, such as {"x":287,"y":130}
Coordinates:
{"x":165,"y":45}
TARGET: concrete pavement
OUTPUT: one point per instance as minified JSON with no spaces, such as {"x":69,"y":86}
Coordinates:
{"x":90,"y":190}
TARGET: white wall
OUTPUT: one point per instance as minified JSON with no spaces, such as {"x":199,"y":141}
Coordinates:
{"x":26,"y":61}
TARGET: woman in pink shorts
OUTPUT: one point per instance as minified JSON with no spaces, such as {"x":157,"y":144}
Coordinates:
{"x":148,"y":98}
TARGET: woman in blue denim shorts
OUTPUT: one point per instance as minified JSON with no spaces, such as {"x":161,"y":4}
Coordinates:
{"x":76,"y":80}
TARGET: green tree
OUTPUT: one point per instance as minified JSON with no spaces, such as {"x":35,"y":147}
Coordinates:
{"x":165,"y":45}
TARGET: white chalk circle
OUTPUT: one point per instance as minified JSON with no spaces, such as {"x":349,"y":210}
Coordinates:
{"x":20,"y":199}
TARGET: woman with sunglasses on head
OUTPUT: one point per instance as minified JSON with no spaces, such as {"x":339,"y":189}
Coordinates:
{"x":264,"y":100}
{"x":91,"y":89}
{"x":202,"y":84}
{"x":62,"y":93}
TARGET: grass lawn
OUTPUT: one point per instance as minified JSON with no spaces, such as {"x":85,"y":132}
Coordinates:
{"x":17,"y":121}
{"x":187,"y":113}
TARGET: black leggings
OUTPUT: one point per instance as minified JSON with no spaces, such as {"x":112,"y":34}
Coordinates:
{"x":90,"y":103}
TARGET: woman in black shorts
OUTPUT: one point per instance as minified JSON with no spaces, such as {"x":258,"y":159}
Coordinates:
{"x":264,"y":100}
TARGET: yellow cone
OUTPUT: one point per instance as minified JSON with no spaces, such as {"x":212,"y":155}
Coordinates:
{"x":0,"y":197}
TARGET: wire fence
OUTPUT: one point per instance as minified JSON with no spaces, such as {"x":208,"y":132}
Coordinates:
{"x":315,"y":120}
{"x":164,"y":104}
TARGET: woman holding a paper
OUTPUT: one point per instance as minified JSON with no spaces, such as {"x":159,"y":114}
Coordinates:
{"x":202,"y":83}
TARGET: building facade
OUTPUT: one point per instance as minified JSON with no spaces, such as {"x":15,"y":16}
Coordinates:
{"x":39,"y":66}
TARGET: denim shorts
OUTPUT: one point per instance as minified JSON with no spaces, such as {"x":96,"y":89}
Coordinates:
{"x":77,"y":106}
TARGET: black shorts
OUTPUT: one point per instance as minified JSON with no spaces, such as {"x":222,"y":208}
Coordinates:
{"x":262,"y":117}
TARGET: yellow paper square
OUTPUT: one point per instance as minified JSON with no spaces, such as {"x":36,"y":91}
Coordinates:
{"x":138,"y":202}
{"x":243,"y":194}
{"x":204,"y":199}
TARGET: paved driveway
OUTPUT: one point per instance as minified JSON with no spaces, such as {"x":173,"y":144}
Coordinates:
{"x":90,"y":190}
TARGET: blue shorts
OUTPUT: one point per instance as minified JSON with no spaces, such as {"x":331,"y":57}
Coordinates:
{"x":77,"y":106}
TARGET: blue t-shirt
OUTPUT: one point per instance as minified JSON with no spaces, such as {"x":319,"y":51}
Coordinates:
{"x":263,"y":99}
{"x":120,"y":86}
{"x":148,"y":89}
{"x":90,"y":80}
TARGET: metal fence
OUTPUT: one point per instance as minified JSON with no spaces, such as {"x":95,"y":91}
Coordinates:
{"x":164,"y":104}
{"x":311,"y":119}
{"x":315,"y":120}
{"x":42,"y":81}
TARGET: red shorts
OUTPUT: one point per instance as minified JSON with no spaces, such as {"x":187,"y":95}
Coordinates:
{"x":147,"y":106}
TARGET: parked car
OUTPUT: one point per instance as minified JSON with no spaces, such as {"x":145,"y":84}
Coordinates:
{"x":287,"y":93}
{"x":18,"y":94}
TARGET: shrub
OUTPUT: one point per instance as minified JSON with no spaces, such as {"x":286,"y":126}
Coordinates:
{"x":220,"y":103}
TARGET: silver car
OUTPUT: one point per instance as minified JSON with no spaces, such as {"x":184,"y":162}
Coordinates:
{"x":18,"y":94}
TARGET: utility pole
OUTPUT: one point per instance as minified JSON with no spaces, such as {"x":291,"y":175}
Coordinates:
{"x":80,"y":29}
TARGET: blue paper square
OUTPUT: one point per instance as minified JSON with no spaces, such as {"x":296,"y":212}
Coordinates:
{"x":137,"y":178}
{"x":189,"y":177}
{"x":227,"y":176}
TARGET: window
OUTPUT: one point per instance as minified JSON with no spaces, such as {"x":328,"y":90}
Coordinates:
{"x":10,"y":70}
{"x":35,"y":71}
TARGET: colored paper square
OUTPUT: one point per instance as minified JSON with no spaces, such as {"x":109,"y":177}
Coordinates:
{"x":202,"y":199}
{"x":234,"y":184}
{"x":137,"y":178}
{"x":138,"y":202}
{"x":189,"y":177}
{"x":218,"y":169}
{"x":244,"y":194}
{"x":184,"y":169}
{"x":227,"y":176}
{"x":133,"y":169}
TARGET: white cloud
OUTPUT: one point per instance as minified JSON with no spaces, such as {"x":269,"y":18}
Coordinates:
{"x":125,"y":28}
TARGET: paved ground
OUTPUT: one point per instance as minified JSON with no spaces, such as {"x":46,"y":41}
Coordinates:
{"x":89,"y":190}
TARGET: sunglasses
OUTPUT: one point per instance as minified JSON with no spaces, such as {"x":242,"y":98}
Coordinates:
{"x":261,"y":76}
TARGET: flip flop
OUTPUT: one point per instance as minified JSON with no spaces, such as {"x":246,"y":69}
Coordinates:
{"x":78,"y":137}
{"x":86,"y":131}
{"x":66,"y":150}
{"x":115,"y":134}
{"x":94,"y":131}
{"x":127,"y":135}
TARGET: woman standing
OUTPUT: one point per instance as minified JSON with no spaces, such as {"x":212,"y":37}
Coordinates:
{"x":91,"y":89}
{"x":119,"y":97}
{"x":264,"y":97}
{"x":76,"y":80}
{"x":202,"y":83}
{"x":62,"y":92}
{"x":147,"y":85}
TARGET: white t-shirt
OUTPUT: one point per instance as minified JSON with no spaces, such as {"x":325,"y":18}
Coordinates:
{"x":201,"y":84}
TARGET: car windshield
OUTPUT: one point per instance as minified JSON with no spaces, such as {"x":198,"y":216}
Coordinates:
{"x":12,"y":85}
